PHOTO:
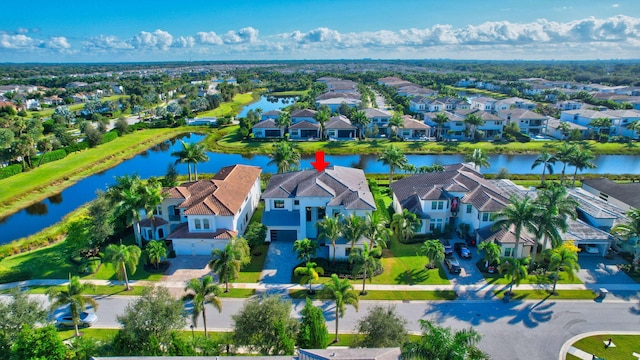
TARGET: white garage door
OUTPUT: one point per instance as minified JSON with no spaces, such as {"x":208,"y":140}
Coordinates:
{"x":193,"y":247}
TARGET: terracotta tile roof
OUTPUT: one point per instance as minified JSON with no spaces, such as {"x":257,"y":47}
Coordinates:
{"x":503,"y":236}
{"x":222,"y":195}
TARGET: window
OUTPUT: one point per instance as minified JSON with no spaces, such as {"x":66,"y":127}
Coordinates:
{"x":435,"y":224}
{"x":321,"y":213}
{"x":437,"y":205}
{"x":347,"y":251}
{"x":308,"y":213}
{"x":296,"y":202}
{"x":159,"y":210}
{"x":486,"y":216}
{"x":469,"y":207}
{"x":197,"y":224}
{"x":507,"y":252}
{"x":278,"y":204}
{"x":336,"y":213}
{"x":149,"y":234}
{"x":205,"y":224}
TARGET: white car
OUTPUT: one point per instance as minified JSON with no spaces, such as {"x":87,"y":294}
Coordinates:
{"x":86,"y":319}
{"x":591,"y":249}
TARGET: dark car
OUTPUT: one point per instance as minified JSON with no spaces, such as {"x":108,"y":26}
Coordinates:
{"x":470,"y":240}
{"x":453,"y":265}
{"x":448,"y":251}
{"x":462,"y":250}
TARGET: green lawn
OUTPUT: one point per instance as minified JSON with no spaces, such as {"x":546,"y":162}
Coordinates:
{"x":106,"y":290}
{"x":386,"y":295}
{"x":402,"y":265}
{"x":105,"y":335}
{"x":625,"y":346}
{"x":230,"y":108}
{"x":251,"y":272}
{"x":289,"y":93}
{"x":543,"y":294}
{"x":497,"y":278}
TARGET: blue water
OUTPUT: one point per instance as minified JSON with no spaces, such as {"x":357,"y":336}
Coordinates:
{"x":154,"y":162}
{"x":267,"y":105}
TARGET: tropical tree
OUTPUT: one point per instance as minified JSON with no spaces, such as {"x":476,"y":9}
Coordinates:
{"x":492,"y":252}
{"x":73,"y":297}
{"x":630,"y":231}
{"x":515,"y":270}
{"x":395,"y":123}
{"x":519,"y":214}
{"x":313,"y":332}
{"x":600,"y":124}
{"x":440,"y":343}
{"x":433,"y":250}
{"x":376,"y":230}
{"x":564,"y":128}
{"x":305,"y":249}
{"x":581,"y":160}
{"x":331,"y":229}
{"x":367,"y":262}
{"x":126,"y":197}
{"x":382,"y":327}
{"x":191,"y":153}
{"x":227,"y":262}
{"x":322,"y":116}
{"x":283,"y":121}
{"x":441,"y":118}
{"x":564,"y":153}
{"x":404,"y":225}
{"x":203,"y":292}
{"x":360,"y":119}
{"x":152,"y":195}
{"x":478,"y":158}
{"x":353,"y":228}
{"x":155,"y":251}
{"x":124,"y":259}
{"x":472,"y":122}
{"x":547,"y":161}
{"x":566,"y":259}
{"x":285,"y":157}
{"x":17,"y":311}
{"x":308,"y":274}
{"x":44,"y":145}
{"x":394,"y":158}
{"x":340,"y":291}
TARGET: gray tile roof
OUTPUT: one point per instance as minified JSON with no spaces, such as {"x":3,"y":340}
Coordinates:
{"x":372,"y":112}
{"x":344,"y":186}
{"x":520,"y":114}
{"x":304,"y":124}
{"x":504,"y":236}
{"x":303,"y":113}
{"x":266,"y":124}
{"x":628,"y":193}
{"x":339,"y":122}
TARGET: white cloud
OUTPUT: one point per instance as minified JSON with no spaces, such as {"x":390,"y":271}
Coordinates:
{"x":107,"y":42}
{"x":17,"y":42}
{"x":158,"y":39}
{"x":209,"y":38}
{"x":57,"y":42}
{"x":184,"y":42}
{"x":244,"y":35}
{"x":615,"y":5}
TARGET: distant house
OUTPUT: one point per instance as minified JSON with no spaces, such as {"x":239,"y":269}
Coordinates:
{"x":514,"y":103}
{"x":554,"y":129}
{"x":569,"y":105}
{"x":340,"y":128}
{"x":483,"y":103}
{"x":295,"y":201}
{"x":197,"y":217}
{"x":625,"y":196}
{"x":379,"y":118}
{"x":272,"y":114}
{"x":267,"y":129}
{"x":303,"y":115}
{"x":528,"y":122}
{"x":413,"y":129}
{"x":304,"y":130}
{"x":335,"y":103}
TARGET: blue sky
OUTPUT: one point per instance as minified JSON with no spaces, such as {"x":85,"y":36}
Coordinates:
{"x":114,"y":31}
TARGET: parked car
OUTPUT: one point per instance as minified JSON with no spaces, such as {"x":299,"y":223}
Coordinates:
{"x":448,"y":251}
{"x":86,"y":319}
{"x":470,"y":240}
{"x":591,"y":249}
{"x":462,"y":250}
{"x":453,"y":265}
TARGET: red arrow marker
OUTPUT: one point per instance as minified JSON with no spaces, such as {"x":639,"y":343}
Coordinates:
{"x":320,"y":164}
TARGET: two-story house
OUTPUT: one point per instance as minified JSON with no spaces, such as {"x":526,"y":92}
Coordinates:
{"x":295,"y":201}
{"x":379,"y":118}
{"x":200,"y":216}
{"x":528,"y":122}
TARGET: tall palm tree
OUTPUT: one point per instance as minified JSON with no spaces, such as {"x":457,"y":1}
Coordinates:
{"x":191,"y":154}
{"x":309,"y":273}
{"x":395,"y":123}
{"x":582,"y":159}
{"x":360,"y":119}
{"x":203,"y":292}
{"x":432,"y":250}
{"x":367,"y":262}
{"x":519,"y":214}
{"x":564,"y":128}
{"x":394,"y":158}
{"x":478,"y":158}
{"x":353,"y":228}
{"x":564,"y":153}
{"x":340,"y":291}
{"x":126,"y":197}
{"x":305,"y":249}
{"x":440,"y":343}
{"x":72,"y":296}
{"x":285,"y":157}
{"x":564,"y":259}
{"x":123,"y":258}
{"x":404,"y":224}
{"x":151,"y":195}
{"x":492,"y":252}
{"x":283,"y":122}
{"x":515,"y":270}
{"x":376,"y":230}
{"x":473,"y":121}
{"x":331,"y":229}
{"x":440,"y":119}
{"x":156,"y":250}
{"x":630,"y":231}
{"x":227,"y":262}
{"x":547,"y":161}
{"x":322,"y":116}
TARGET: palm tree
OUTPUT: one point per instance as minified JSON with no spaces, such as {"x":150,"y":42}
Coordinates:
{"x":191,"y":154}
{"x":564,"y":128}
{"x":360,"y":119}
{"x":599,"y":124}
{"x":309,"y":273}
{"x":126,"y":197}
{"x":305,"y":249}
{"x":353,"y":228}
{"x":227,"y":262}
{"x":433,"y":250}
{"x":72,"y":296}
{"x":123,"y":258}
{"x":492,"y":252}
{"x":478,"y":158}
{"x":155,"y":251}
{"x":440,"y":343}
{"x":547,"y":161}
{"x":404,"y":224}
{"x":151,"y":196}
{"x":285,"y":157}
{"x":440,"y":119}
{"x":519,"y":214}
{"x":473,"y":121}
{"x":515,"y":270}
{"x":203,"y":291}
{"x":395,"y":158}
{"x":367,"y":262}
{"x":376,"y":230}
{"x":340,"y":290}
{"x":581,"y":160}
{"x":630,"y":231}
{"x":331,"y":229}
{"x":322,"y":116}
{"x":564,"y":259}
{"x":395,"y":123}
{"x":564,"y":154}
{"x":283,"y":122}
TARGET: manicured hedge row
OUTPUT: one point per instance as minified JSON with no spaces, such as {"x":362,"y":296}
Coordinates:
{"x":51,"y":156}
{"x":110,"y":136}
{"x":10,"y":170}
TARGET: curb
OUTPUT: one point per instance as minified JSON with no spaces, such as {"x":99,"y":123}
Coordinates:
{"x":567,"y":344}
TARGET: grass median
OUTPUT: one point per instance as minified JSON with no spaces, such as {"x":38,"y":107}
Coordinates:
{"x":385,"y":295}
{"x":625,"y":345}
{"x":544,"y":294}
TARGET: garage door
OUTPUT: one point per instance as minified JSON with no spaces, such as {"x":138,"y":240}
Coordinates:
{"x":284,"y":235}
{"x":192,"y":247}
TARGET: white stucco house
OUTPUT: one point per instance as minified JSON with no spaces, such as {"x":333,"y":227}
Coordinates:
{"x":199,"y":216}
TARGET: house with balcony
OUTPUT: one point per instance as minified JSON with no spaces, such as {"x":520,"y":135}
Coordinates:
{"x":379,"y":118}
{"x":620,"y":120}
{"x":514,"y":103}
{"x":198,"y":216}
{"x":483,"y":103}
{"x":528,"y":122}
{"x":295,"y":201}
{"x":271,"y":114}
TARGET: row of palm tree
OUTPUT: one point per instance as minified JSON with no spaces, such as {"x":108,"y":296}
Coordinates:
{"x":580,"y":157}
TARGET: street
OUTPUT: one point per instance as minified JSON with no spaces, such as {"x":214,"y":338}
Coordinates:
{"x":517,"y":330}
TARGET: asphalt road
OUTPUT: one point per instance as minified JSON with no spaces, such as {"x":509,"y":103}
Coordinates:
{"x":517,"y":330}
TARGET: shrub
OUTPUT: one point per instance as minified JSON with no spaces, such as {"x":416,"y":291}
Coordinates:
{"x":10,"y":170}
{"x":51,"y":156}
{"x":110,"y":136}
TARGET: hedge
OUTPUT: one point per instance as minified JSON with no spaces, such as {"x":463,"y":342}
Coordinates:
{"x":110,"y":136}
{"x":51,"y":156}
{"x":10,"y":170}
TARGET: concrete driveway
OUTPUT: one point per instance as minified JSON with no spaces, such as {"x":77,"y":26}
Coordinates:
{"x":185,"y":268}
{"x":595,"y":269}
{"x":279,"y":264}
